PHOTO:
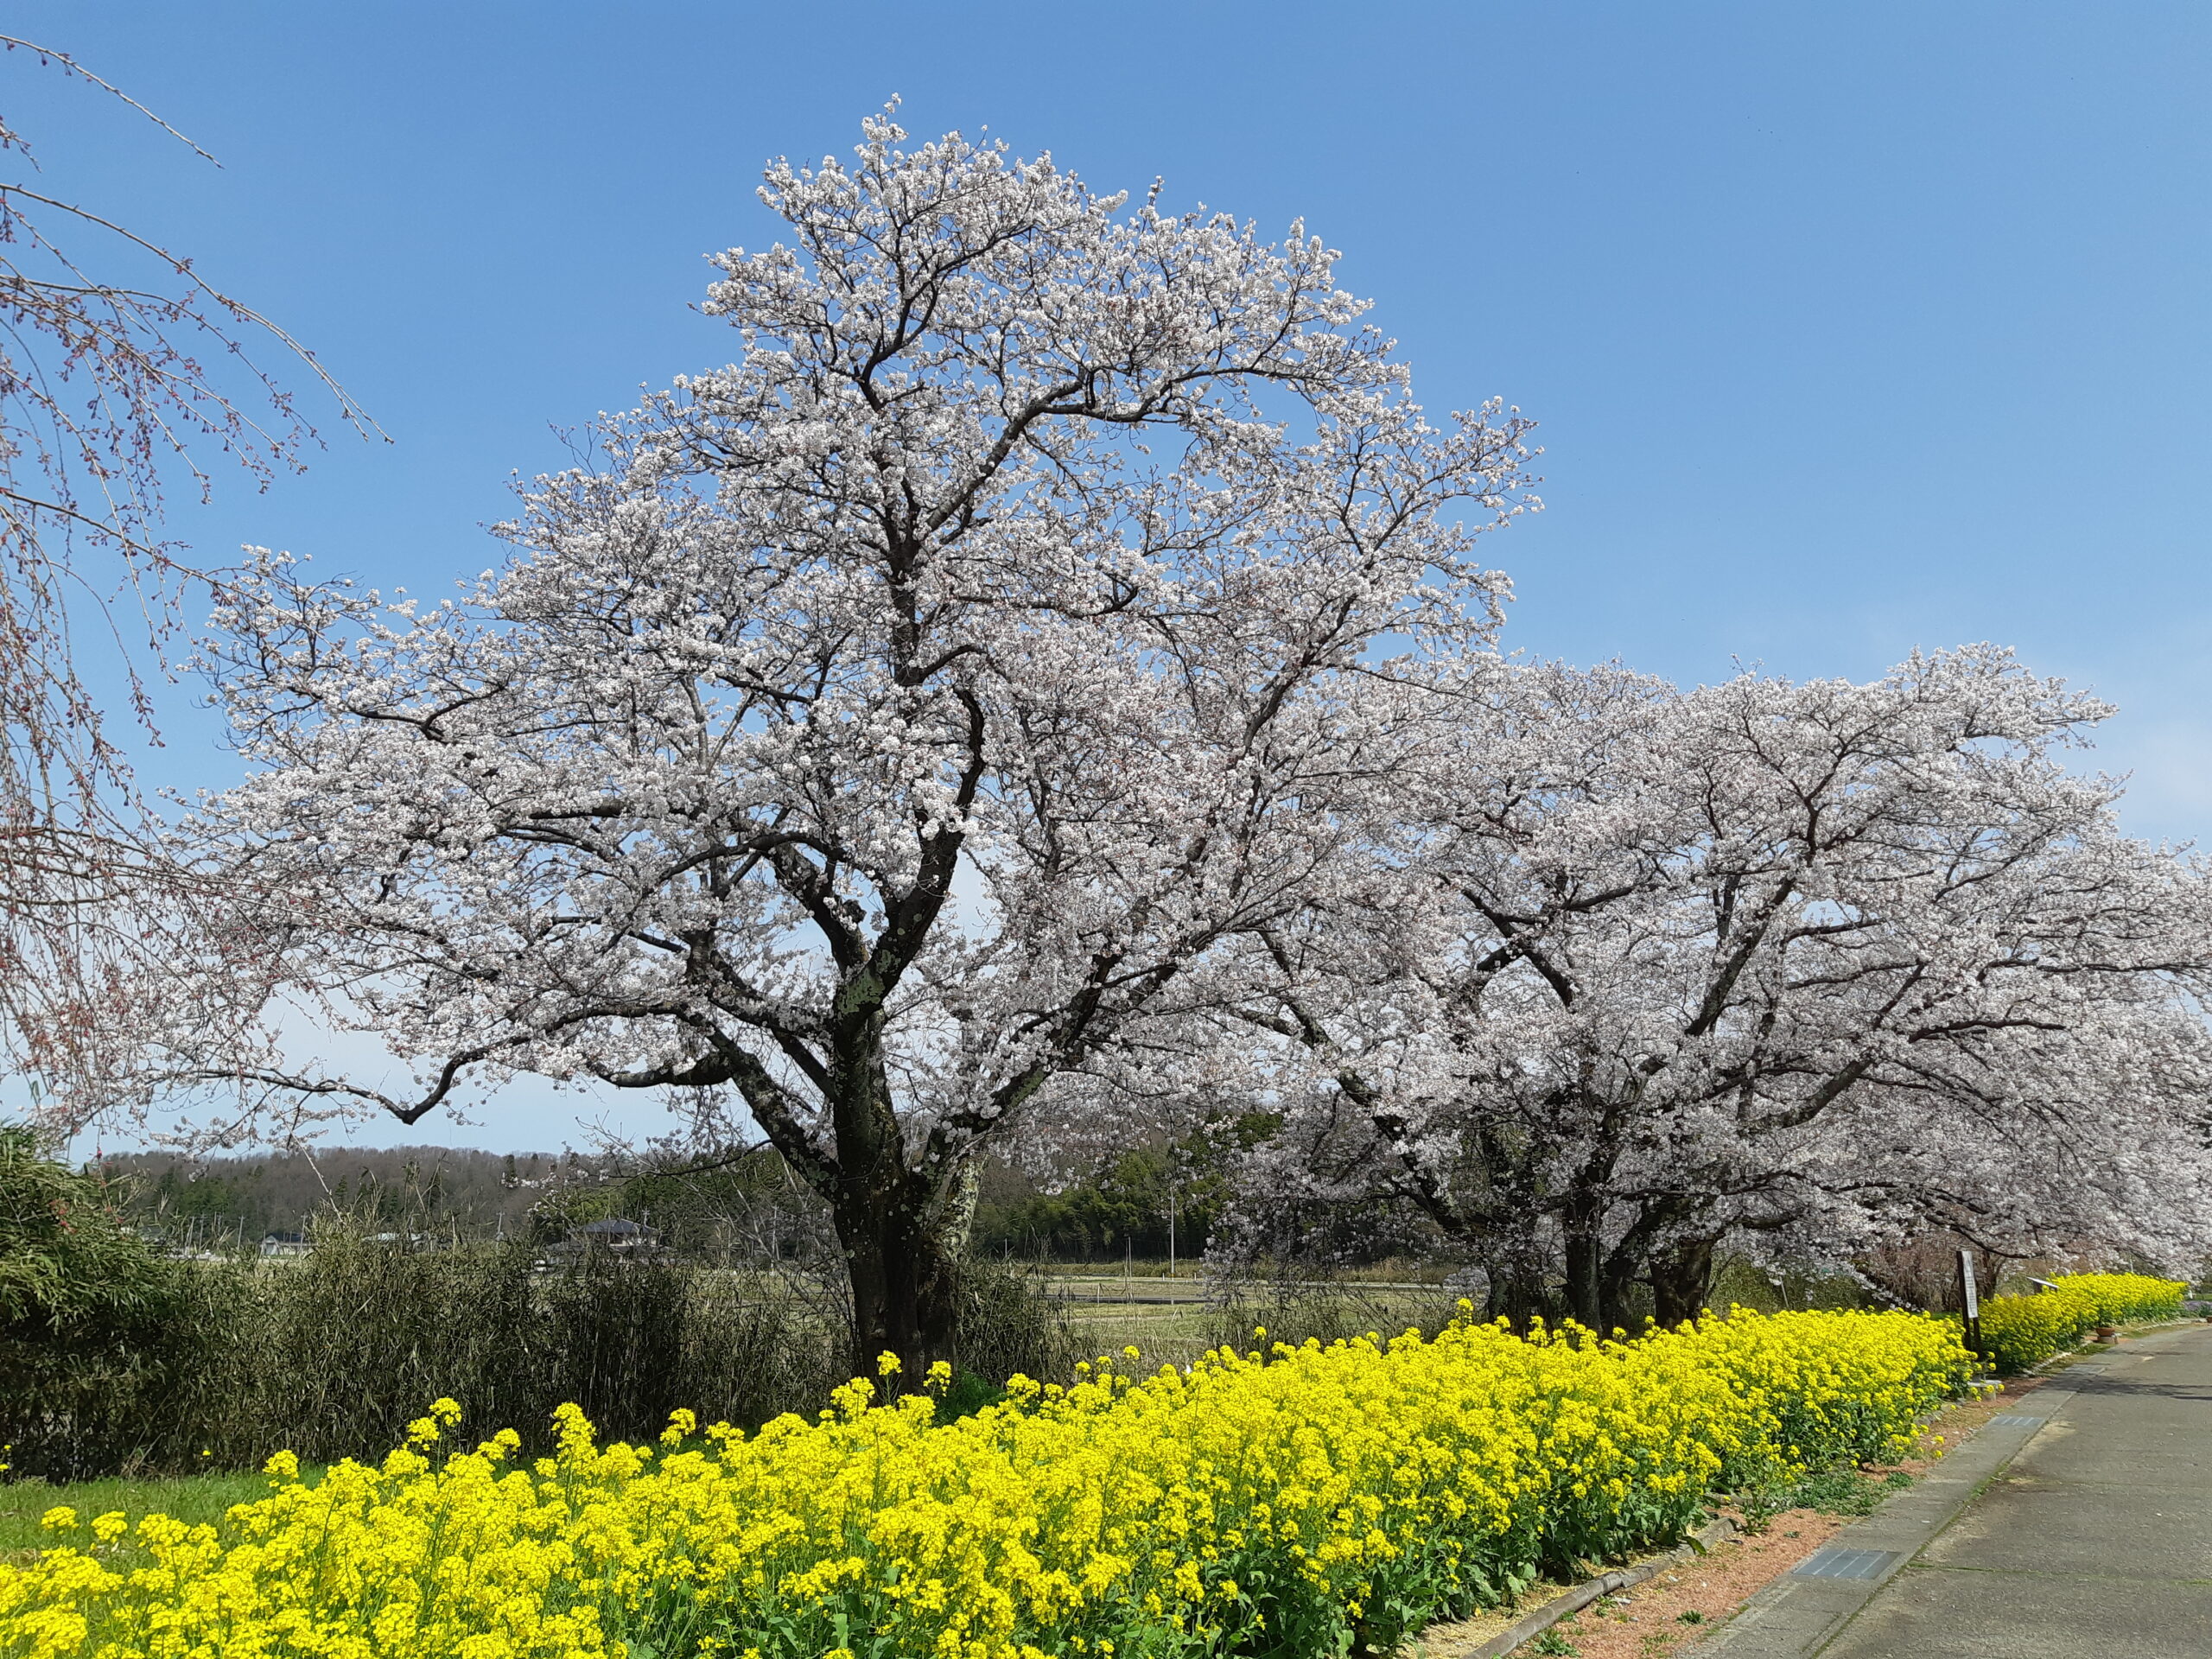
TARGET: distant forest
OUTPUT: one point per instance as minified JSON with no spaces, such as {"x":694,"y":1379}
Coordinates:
{"x":1128,"y":1206}
{"x":246,"y":1197}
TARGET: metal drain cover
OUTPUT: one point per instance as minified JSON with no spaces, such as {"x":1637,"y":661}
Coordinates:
{"x":1847,"y":1564}
{"x":2013,"y":1419}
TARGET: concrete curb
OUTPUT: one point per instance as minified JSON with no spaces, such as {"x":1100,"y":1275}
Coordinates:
{"x":1437,"y":1642}
{"x":1795,"y":1614}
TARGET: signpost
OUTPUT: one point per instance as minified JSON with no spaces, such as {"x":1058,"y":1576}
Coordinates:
{"x":1970,"y":1300}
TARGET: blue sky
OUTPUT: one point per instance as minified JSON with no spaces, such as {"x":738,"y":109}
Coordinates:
{"x":1852,"y":328}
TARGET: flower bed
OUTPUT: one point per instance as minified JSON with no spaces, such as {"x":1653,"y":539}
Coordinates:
{"x":2023,"y":1330}
{"x":2127,"y":1298}
{"x":1296,"y":1502}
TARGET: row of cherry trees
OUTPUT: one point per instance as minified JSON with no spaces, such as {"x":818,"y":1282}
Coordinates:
{"x":1044,"y":685}
{"x":1635,"y":970}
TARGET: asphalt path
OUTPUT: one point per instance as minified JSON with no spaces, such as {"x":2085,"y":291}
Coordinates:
{"x":2095,"y":1540}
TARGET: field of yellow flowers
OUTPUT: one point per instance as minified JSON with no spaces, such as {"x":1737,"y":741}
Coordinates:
{"x":2020,"y":1331}
{"x":1291,"y":1501}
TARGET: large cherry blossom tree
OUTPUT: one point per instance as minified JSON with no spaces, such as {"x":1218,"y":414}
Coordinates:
{"x":894,"y":717}
{"x":1823,"y":963}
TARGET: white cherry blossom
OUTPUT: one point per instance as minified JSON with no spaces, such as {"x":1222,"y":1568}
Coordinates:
{"x":1818,"y":964}
{"x":893,"y":716}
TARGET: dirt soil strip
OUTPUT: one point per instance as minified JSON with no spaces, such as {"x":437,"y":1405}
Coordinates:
{"x":1486,"y":1634}
{"x":1660,"y":1603}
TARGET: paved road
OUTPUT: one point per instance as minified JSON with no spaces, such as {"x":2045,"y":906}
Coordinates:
{"x":2095,"y":1544}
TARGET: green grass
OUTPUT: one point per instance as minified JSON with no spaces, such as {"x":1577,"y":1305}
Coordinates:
{"x":1178,"y":1332}
{"x":195,"y":1498}
{"x":1834,"y":1491}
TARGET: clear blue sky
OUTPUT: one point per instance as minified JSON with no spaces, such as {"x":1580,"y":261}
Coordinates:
{"x":1851,"y":328}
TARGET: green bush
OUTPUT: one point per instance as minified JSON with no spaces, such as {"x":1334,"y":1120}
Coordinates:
{"x":114,"y":1359}
{"x":106,"y":1346}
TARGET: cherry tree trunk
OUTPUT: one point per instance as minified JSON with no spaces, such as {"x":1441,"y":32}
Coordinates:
{"x":1613,"y":1292}
{"x":902,"y":1260}
{"x":1516,"y":1283}
{"x":1584,"y":1250}
{"x":1682,"y":1279}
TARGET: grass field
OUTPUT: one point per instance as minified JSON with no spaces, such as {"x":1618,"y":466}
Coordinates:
{"x":196,"y":1498}
{"x":1174,"y":1321}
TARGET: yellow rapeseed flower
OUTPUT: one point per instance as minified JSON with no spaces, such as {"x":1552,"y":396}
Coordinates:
{"x":1246,"y":1502}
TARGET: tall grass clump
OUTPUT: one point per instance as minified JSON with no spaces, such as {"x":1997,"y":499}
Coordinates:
{"x":102,"y":1338}
{"x":362,"y":1330}
{"x":1316,"y":1309}
{"x":218,"y":1364}
{"x":1005,"y":1325}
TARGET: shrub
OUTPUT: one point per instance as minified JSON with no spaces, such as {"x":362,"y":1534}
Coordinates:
{"x":105,"y":1344}
{"x":324,"y":1354}
{"x":1311,"y":1500}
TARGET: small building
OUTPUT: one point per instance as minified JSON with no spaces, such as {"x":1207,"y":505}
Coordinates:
{"x":283,"y":1243}
{"x":615,"y":1233}
{"x":615,"y":1238}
